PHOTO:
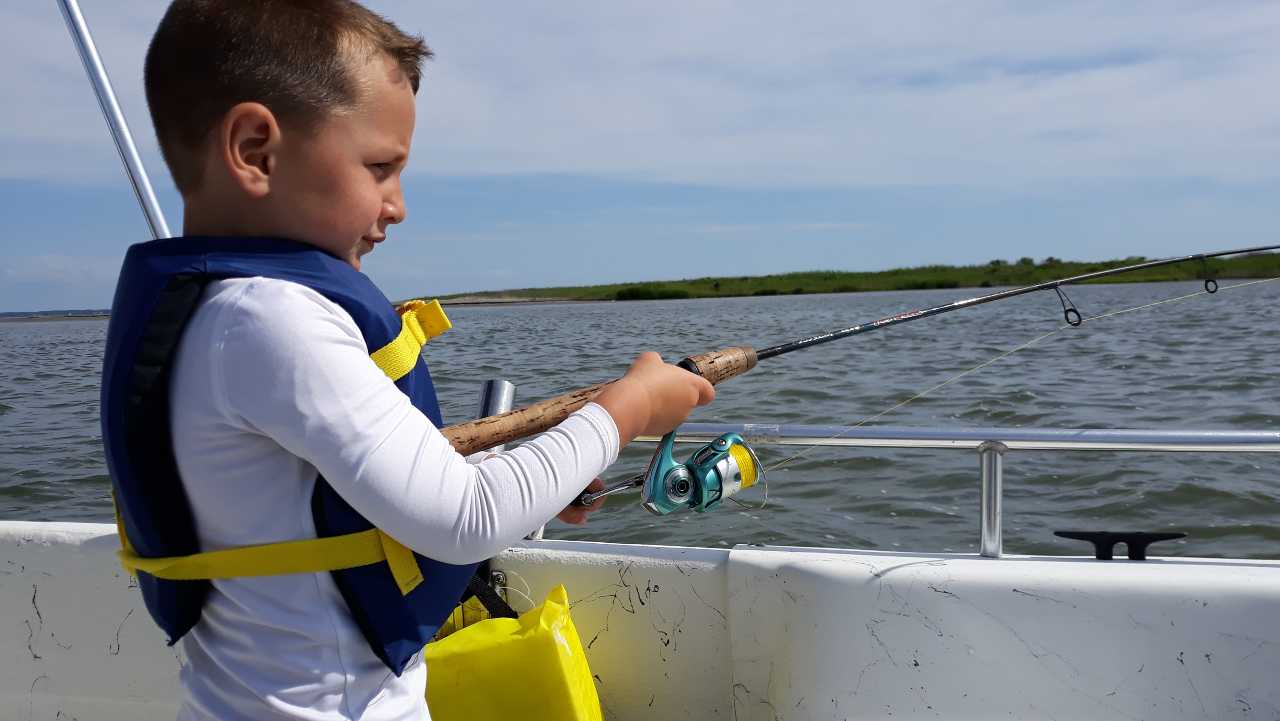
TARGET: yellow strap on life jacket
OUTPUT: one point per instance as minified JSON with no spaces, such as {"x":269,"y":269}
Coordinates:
{"x":312,"y":555}
{"x":421,"y":321}
{"x":124,"y":540}
{"x":271,"y":559}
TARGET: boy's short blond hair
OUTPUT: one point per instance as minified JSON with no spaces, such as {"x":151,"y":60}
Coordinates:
{"x":293,"y":56}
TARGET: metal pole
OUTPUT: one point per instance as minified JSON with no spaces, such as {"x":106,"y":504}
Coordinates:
{"x":1015,"y":439}
{"x":991,"y":458}
{"x":498,"y":396}
{"x":97,"y":73}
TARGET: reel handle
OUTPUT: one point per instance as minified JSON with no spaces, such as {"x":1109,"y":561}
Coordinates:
{"x":477,"y":435}
{"x":586,"y":498}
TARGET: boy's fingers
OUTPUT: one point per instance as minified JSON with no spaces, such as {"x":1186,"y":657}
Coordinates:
{"x":706,"y":391}
{"x":573,"y":515}
{"x":577,"y":515}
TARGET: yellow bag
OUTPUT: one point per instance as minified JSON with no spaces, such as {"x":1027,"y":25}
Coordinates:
{"x":532,"y":668}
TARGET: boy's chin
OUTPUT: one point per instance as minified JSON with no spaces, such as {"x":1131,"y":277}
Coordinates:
{"x":363,"y":248}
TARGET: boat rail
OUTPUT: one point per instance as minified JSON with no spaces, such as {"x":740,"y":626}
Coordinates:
{"x":992,"y":446}
{"x":1023,"y":439}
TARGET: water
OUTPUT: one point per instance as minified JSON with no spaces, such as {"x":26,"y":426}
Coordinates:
{"x":1206,"y":363}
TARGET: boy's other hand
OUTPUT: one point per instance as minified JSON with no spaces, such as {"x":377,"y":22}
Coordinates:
{"x":577,"y":515}
{"x":653,"y":397}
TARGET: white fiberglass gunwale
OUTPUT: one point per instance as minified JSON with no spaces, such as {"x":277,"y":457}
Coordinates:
{"x":766,"y":633}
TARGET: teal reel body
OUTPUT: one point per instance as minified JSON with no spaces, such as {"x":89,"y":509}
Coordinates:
{"x":713,"y":473}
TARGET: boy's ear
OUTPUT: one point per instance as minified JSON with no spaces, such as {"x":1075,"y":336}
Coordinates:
{"x":248,"y":145}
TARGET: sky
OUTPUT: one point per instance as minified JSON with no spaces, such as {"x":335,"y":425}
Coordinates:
{"x":588,"y":142}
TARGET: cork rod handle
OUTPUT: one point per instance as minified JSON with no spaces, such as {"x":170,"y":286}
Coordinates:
{"x":478,"y":435}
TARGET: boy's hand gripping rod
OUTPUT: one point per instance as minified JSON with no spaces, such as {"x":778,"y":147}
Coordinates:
{"x":714,"y":472}
{"x":483,"y":433}
{"x":710,"y":473}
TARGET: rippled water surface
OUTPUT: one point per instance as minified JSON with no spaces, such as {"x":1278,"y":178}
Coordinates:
{"x":1210,"y":362}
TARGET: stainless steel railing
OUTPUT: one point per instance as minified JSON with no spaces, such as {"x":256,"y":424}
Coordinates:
{"x":1024,"y":439}
{"x":992,"y":445}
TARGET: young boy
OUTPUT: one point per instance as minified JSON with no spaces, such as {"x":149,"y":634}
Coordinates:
{"x":246,"y":400}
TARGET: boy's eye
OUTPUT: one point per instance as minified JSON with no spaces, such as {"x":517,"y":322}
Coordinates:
{"x":381,"y":168}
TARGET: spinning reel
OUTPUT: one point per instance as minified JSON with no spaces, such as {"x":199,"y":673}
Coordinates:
{"x":713,"y":473}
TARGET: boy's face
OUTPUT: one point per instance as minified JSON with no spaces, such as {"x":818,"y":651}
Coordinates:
{"x":338,"y":187}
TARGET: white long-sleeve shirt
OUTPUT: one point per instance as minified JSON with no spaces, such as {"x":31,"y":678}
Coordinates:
{"x":272,"y":384}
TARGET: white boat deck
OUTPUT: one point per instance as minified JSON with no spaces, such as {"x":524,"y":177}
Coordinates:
{"x":748,"y":633}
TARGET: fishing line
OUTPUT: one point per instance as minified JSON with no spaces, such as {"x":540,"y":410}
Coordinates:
{"x":787,"y":461}
{"x":522,"y":594}
{"x":727,"y":464}
{"x":523,"y":582}
{"x":764,"y":483}
{"x":526,"y":594}
{"x":807,"y":452}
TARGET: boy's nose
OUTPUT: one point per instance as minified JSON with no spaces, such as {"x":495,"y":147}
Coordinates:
{"x":394,"y":211}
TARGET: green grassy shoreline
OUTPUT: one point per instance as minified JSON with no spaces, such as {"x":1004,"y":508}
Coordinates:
{"x":996,"y":273}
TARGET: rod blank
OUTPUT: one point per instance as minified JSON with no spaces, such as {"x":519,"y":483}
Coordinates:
{"x":992,"y":297}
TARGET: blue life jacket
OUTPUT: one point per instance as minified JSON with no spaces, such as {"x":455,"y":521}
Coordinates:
{"x":160,"y":286}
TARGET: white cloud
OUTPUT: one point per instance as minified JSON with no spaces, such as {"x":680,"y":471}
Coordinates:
{"x":50,"y":124}
{"x":757,"y":93}
{"x":874,"y":94}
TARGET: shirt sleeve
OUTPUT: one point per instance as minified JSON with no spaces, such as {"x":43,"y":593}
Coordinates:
{"x":292,"y":365}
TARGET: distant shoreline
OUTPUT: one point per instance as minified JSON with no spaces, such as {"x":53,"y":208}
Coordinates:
{"x":37,"y":318}
{"x":994,"y":274}
{"x":474,"y":299}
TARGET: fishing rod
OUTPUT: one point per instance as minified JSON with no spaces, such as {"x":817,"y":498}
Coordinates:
{"x":727,"y":465}
{"x":718,"y":366}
